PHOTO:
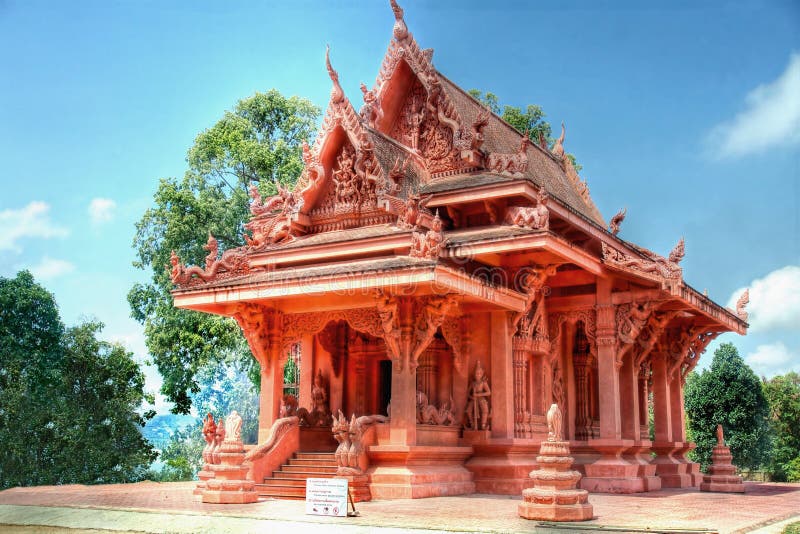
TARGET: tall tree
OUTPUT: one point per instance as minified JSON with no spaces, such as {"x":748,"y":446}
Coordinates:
{"x":67,"y":400}
{"x":258,"y":142}
{"x":730,"y":394}
{"x":530,"y":120}
{"x":783,"y":394}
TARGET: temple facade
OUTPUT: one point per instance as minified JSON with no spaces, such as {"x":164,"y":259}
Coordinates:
{"x":441,"y":270}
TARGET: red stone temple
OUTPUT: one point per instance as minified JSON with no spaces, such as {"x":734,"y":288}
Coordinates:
{"x":437,"y":267}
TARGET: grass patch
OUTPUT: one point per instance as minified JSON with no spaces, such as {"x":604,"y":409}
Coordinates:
{"x":792,"y":528}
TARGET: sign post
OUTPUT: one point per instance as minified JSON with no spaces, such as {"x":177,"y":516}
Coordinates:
{"x":326,"y":496}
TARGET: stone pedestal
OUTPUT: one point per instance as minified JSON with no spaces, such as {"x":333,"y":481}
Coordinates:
{"x":721,"y":475}
{"x":228,"y":486}
{"x":673,"y":472}
{"x":555,"y":496}
{"x":611,"y":473}
{"x":639,"y":455}
{"x":203,"y":476}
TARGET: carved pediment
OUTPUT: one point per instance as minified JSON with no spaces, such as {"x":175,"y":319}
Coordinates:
{"x":409,"y":104}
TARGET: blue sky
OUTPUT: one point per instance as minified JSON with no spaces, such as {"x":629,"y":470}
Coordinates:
{"x":687,"y":113}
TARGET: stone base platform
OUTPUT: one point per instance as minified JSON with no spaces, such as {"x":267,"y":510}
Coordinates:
{"x":358,"y":486}
{"x":402,"y":472}
{"x":502,"y":467}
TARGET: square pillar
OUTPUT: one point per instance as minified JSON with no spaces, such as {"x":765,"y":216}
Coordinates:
{"x":307,"y":357}
{"x":502,"y":377}
{"x":270,"y":397}
{"x":607,"y":371}
{"x":629,"y":399}
{"x":662,"y":406}
{"x":403,"y":414}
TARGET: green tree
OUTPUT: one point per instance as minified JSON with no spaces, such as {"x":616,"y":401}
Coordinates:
{"x":67,"y":400}
{"x":783,"y":394}
{"x":223,"y":388}
{"x":530,"y":120}
{"x":258,"y":142}
{"x":730,"y":394}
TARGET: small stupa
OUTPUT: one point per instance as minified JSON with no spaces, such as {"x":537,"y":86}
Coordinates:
{"x":722,"y":475}
{"x":229,"y":484}
{"x":555,"y":496}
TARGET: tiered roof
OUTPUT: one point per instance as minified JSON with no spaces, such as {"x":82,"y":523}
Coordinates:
{"x":421,"y":174}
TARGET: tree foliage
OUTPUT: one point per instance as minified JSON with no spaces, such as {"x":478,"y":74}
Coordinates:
{"x":730,"y":394}
{"x":68,"y":401}
{"x":531,"y":119}
{"x":783,"y":394}
{"x":223,"y":388}
{"x":258,"y":142}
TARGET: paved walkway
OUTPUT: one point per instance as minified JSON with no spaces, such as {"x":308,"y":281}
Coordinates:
{"x":170,"y":507}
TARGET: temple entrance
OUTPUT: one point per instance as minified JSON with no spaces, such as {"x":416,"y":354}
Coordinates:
{"x":384,"y":386}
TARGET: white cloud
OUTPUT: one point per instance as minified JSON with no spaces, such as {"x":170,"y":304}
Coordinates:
{"x":772,"y":359}
{"x":29,"y":222}
{"x":50,"y":268}
{"x":774,"y":301}
{"x":771,"y":117}
{"x":101,"y":210}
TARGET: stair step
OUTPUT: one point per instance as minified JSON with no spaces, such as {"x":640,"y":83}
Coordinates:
{"x":289,"y":482}
{"x":312,"y":462}
{"x":316,"y":456}
{"x":299,"y":475}
{"x":285,"y":482}
{"x":308,"y":468}
{"x":281,"y":492}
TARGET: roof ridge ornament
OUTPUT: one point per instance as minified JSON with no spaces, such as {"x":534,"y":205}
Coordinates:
{"x":400,"y":30}
{"x":558,"y":146}
{"x":337,"y":94}
{"x":742,"y":303}
{"x":678,"y":252}
{"x":616,"y":221}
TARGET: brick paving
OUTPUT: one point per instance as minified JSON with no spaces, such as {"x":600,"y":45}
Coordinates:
{"x":171,"y":507}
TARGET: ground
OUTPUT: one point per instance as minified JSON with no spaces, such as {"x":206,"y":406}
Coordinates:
{"x":170,"y":507}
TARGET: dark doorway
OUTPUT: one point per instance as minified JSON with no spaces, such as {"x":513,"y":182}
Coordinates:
{"x":385,"y":377}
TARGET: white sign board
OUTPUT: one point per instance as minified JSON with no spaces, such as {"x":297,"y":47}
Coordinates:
{"x":326,"y":496}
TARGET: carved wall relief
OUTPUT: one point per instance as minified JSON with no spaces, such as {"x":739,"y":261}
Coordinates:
{"x":531,"y":217}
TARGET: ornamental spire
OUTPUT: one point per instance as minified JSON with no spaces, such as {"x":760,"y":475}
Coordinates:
{"x":337,"y":95}
{"x":400,"y":30}
{"x":558,"y":147}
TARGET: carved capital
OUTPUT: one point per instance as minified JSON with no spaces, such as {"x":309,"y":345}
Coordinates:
{"x":431,"y":313}
{"x":262,"y":330}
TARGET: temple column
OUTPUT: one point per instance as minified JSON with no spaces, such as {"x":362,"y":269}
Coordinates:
{"x":662,"y":411}
{"x":611,"y":473}
{"x":403,"y":416}
{"x":520,"y":365}
{"x":307,"y":356}
{"x":644,"y":401}
{"x":502,"y":378}
{"x":271,"y":384}
{"x":672,"y":471}
{"x":580,"y":363}
{"x":629,"y":399}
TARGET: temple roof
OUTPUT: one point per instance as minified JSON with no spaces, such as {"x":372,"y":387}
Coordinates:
{"x":425,"y":179}
{"x":543,"y":169}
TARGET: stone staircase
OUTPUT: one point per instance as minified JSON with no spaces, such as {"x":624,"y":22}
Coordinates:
{"x":289,"y":482}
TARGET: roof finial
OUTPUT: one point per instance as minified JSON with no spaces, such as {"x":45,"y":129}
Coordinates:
{"x":558,"y":147}
{"x":616,"y":221}
{"x":742,"y":303}
{"x":677,"y":253}
{"x":400,"y":28}
{"x":337,"y":95}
